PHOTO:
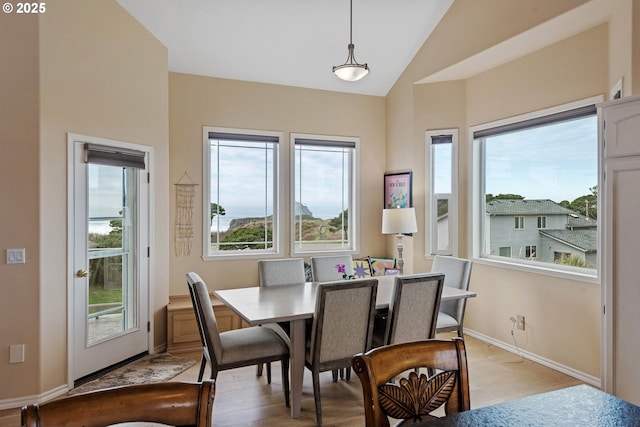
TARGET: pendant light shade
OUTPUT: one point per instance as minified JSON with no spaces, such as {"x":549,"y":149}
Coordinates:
{"x":351,"y":71}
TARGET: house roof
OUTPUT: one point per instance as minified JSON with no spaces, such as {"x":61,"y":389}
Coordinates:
{"x":585,"y":240}
{"x":526,"y":207}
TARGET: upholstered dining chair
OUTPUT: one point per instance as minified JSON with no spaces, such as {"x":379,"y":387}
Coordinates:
{"x":168,"y":403}
{"x":457,"y":273}
{"x":413,"y":310}
{"x":280,"y":272}
{"x":323,"y":268}
{"x":342,"y":327}
{"x":238,"y":347}
{"x":415,"y":397}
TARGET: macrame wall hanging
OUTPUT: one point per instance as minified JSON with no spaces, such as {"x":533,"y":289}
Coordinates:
{"x":185,"y":198}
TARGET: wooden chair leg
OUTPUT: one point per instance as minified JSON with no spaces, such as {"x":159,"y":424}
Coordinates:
{"x":284,"y":363}
{"x":316,"y":395}
{"x":259,"y":370}
{"x":268,"y":372}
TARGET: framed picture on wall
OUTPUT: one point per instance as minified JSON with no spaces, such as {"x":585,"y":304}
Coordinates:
{"x":397,"y":190}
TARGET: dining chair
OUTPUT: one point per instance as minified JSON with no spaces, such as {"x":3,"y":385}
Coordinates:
{"x":167,"y":403}
{"x":280,"y":272}
{"x":324,"y":268}
{"x":413,"y":398}
{"x":342,"y":327}
{"x":413,"y":310}
{"x":237,"y":347}
{"x":457,"y":274}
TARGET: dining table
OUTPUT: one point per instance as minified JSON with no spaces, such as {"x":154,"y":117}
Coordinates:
{"x":576,"y":406}
{"x":259,"y":305}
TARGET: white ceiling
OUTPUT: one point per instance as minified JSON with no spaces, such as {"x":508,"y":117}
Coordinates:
{"x":290,"y":42}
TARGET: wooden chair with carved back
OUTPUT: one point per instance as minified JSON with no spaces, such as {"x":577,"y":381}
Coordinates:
{"x":168,"y":403}
{"x":413,"y":398}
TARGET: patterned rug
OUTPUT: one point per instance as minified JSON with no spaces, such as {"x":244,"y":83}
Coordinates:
{"x":153,"y":368}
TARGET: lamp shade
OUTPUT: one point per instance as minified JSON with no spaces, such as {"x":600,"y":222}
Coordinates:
{"x":399,"y":220}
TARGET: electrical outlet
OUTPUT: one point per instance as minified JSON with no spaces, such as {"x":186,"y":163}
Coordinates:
{"x":16,"y":353}
{"x":520,"y":322}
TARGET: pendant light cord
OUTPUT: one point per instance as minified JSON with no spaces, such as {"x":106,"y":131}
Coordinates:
{"x":350,"y":21}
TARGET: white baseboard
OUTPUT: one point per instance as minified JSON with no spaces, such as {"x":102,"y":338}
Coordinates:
{"x":19,"y":402}
{"x":582,"y":376}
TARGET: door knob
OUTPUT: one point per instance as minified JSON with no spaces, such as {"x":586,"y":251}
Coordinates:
{"x":81,"y":273}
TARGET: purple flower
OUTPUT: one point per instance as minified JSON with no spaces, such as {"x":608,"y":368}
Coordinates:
{"x":340,"y":268}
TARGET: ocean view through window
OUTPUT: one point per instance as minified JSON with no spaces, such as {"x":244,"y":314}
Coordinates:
{"x":324,"y":191}
{"x":241,"y":194}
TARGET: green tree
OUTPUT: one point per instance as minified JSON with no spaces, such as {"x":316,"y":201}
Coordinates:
{"x":111,"y":240}
{"x":216,"y":209}
{"x":342,"y":218}
{"x":587,"y":205}
{"x":489,"y":197}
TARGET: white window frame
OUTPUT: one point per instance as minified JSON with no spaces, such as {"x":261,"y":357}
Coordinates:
{"x":276,"y":250}
{"x":519,"y":222}
{"x":542,"y":221}
{"x":431,"y":208}
{"x":354,"y":199}
{"x":478,"y":216}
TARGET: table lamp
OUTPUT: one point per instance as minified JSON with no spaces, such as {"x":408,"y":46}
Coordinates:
{"x":399,"y":221}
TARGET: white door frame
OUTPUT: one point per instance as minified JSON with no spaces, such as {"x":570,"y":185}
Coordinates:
{"x":71,"y":267}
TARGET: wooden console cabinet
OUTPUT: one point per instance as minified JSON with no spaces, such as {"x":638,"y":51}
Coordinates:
{"x":182,"y":329}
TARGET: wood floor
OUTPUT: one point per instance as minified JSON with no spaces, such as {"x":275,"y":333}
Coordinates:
{"x":242,"y":399}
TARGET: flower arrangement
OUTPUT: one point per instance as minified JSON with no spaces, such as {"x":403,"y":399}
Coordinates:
{"x":341,"y":269}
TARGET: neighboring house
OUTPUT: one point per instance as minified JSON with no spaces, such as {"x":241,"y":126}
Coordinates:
{"x":540,"y":230}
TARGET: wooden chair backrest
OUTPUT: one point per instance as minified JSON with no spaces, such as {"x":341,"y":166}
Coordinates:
{"x":171,"y":403}
{"x":382,"y":399}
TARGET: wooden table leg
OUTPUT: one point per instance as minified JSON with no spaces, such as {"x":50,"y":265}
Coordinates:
{"x":297,"y":351}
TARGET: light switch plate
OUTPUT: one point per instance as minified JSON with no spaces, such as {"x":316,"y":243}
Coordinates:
{"x":16,"y":256}
{"x":16,"y":353}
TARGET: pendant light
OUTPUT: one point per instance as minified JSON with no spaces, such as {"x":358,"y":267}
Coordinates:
{"x":351,"y":70}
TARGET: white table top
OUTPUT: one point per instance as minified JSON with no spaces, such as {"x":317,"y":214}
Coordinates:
{"x":259,"y":305}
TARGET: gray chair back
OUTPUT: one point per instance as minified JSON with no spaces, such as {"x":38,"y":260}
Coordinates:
{"x":457,"y":273}
{"x":413,"y":311}
{"x":323,"y":269}
{"x":343,"y":322}
{"x":281,"y":272}
{"x":342,"y":327}
{"x":208,"y":324}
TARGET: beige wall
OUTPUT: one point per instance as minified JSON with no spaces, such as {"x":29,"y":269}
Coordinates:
{"x":197,"y":101}
{"x":562,"y":315}
{"x":76,"y":73}
{"x":19,"y":193}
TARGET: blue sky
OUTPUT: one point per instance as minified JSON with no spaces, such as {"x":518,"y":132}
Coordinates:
{"x":557,"y":162}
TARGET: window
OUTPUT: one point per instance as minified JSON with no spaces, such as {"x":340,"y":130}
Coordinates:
{"x":542,"y":222}
{"x":241,"y":192}
{"x":324,"y":193}
{"x":530,"y":252}
{"x":505,"y":251}
{"x":442,"y":215}
{"x":540,"y":168}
